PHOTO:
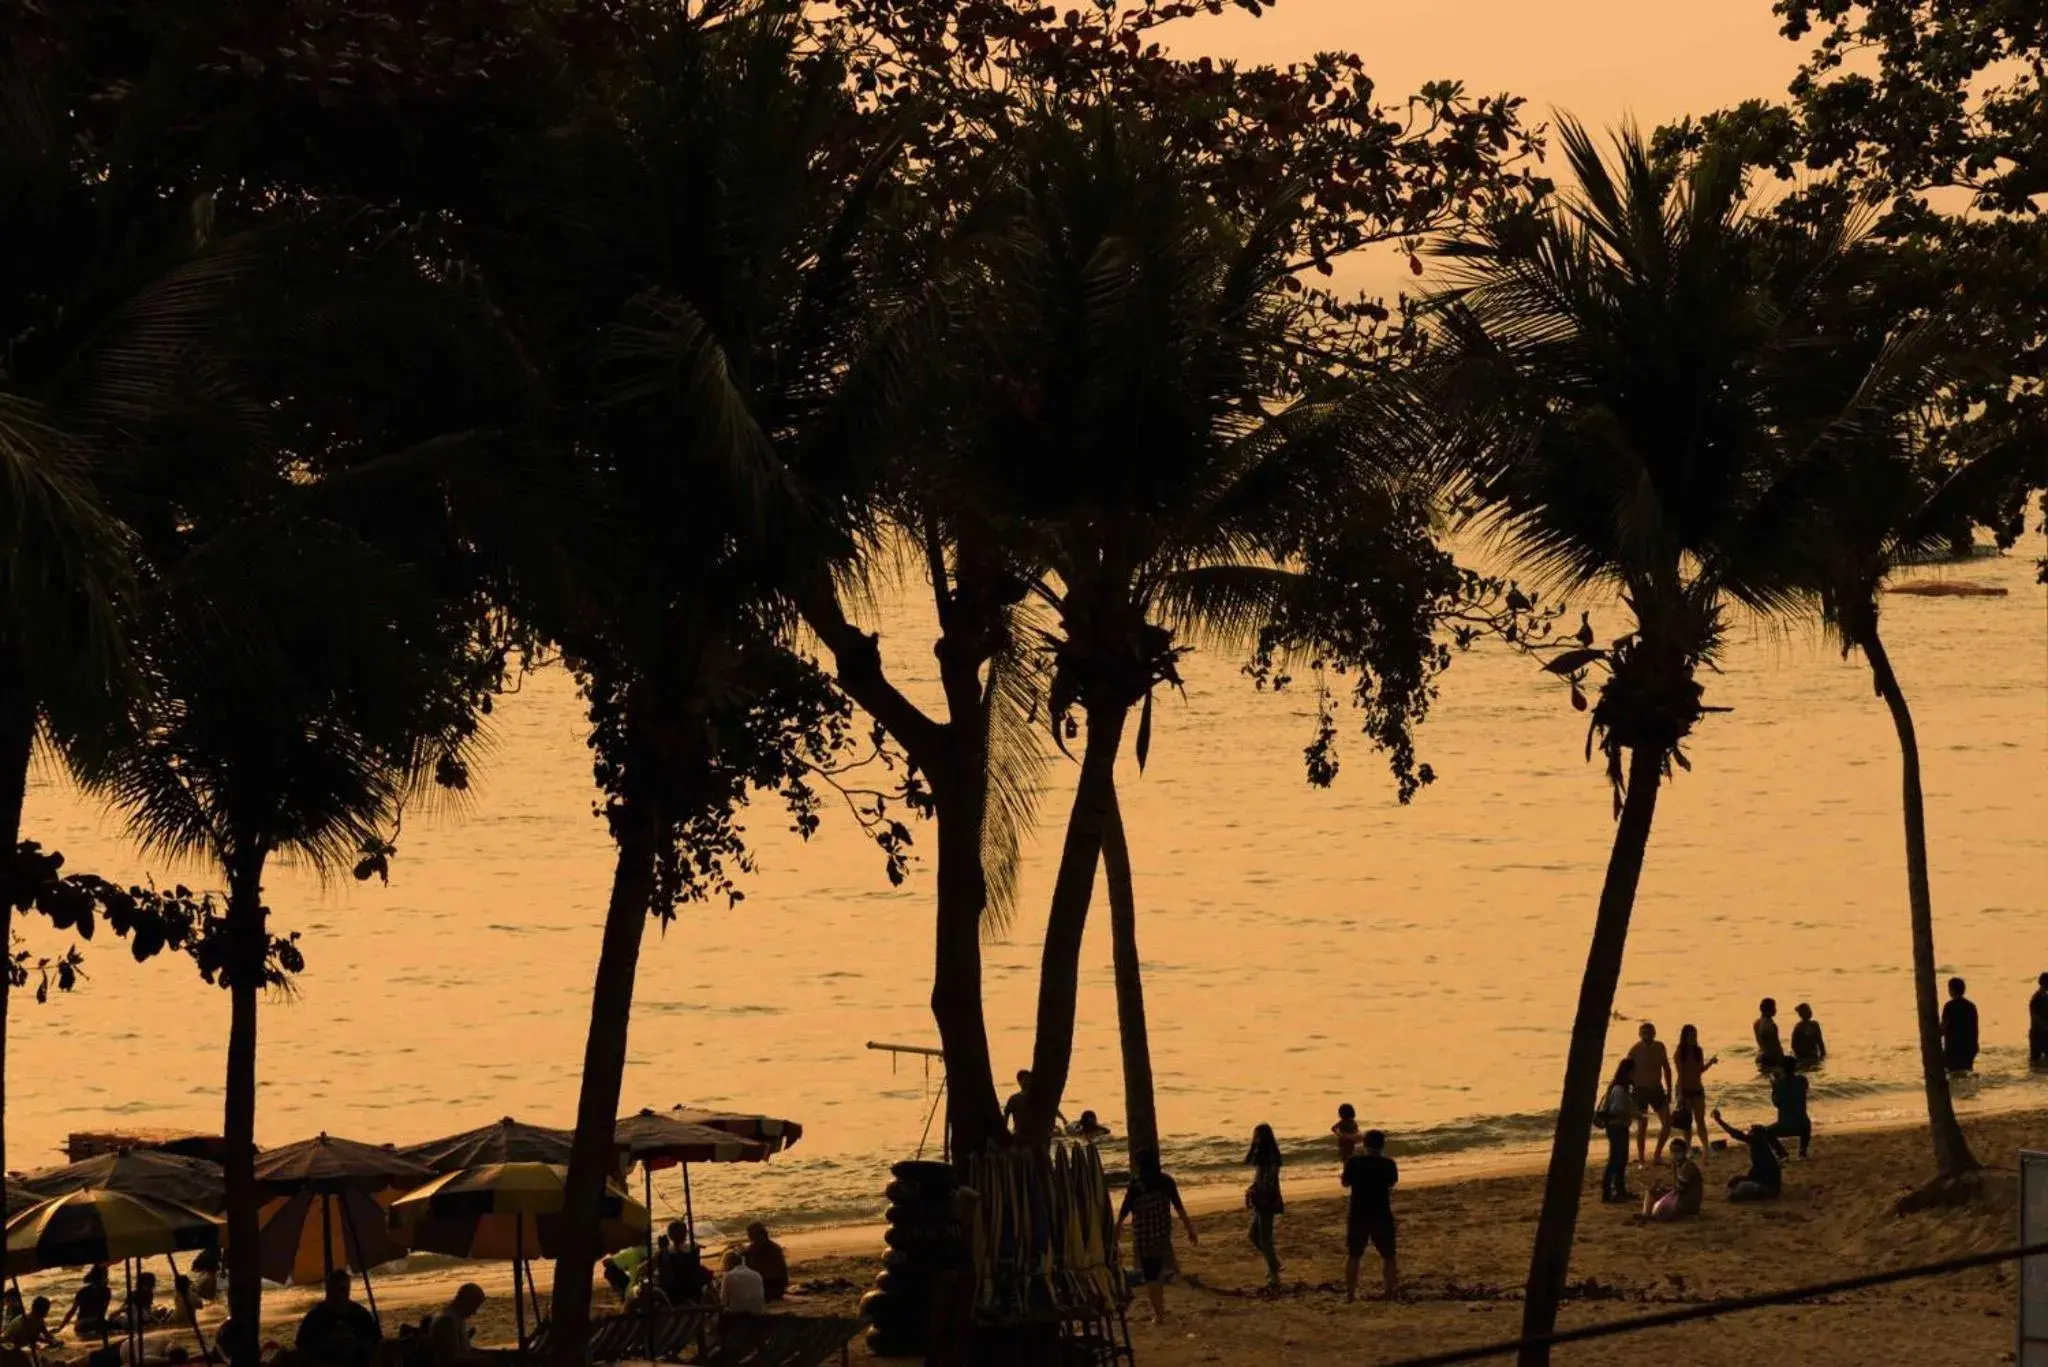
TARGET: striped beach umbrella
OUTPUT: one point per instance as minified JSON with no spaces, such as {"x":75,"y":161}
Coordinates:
{"x":330,"y":1163}
{"x":508,"y":1210}
{"x":94,"y":1225}
{"x":762,"y":1129}
{"x":506,"y":1141}
{"x":193,"y":1182}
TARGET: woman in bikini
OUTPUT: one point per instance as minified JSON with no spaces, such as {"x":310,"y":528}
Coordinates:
{"x":1691,"y":1064}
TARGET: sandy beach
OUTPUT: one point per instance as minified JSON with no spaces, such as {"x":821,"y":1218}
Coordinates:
{"x":1465,"y":1244}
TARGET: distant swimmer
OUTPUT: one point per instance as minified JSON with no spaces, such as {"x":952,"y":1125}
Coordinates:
{"x":2037,"y":1024}
{"x":1959,"y":1030}
{"x":1807,"y":1044}
{"x":1088,"y":1129}
{"x":1347,"y":1131}
{"x":1653,"y":1083}
{"x":1768,"y":1049}
{"x":1693,"y":1064}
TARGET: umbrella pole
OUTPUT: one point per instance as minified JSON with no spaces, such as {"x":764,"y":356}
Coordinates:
{"x":128,"y":1328}
{"x":689,"y":1215}
{"x":326,"y":1238}
{"x":647,"y":1268}
{"x":355,"y":1240}
{"x":519,"y":1258}
{"x":184,"y":1304}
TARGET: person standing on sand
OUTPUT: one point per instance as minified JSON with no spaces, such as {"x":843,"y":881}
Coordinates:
{"x":1150,"y":1202}
{"x":1692,"y":1065}
{"x":1370,"y":1220}
{"x":1788,"y":1094}
{"x":1807,"y":1045}
{"x":1768,"y":1048}
{"x":1347,"y":1132}
{"x":1652,"y":1089}
{"x":1959,"y":1030}
{"x":1616,"y":1115}
{"x":2037,"y":1024}
{"x":1262,"y":1199}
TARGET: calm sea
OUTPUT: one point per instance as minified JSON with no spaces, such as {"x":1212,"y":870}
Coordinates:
{"x":1301,"y":948}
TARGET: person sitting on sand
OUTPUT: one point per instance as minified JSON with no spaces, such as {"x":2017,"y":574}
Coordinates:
{"x":766,"y":1257}
{"x":618,"y":1279}
{"x":28,"y":1331}
{"x":1768,"y":1048}
{"x":1686,"y":1194}
{"x":1262,"y":1199}
{"x":448,"y":1332}
{"x":1372,"y":1177}
{"x":184,"y":1303}
{"x":1807,"y":1045}
{"x":1347,"y":1132}
{"x":1616,"y":1115}
{"x":2037,"y":1024}
{"x":684,"y":1279}
{"x":1150,"y":1202}
{"x":740,"y":1291}
{"x":1788,"y":1095}
{"x":1959,"y":1030}
{"x":1765,"y":1180}
{"x":338,"y":1332}
{"x":1652,"y":1088}
{"x":138,"y":1309}
{"x":206,"y":1275}
{"x":89,"y":1306}
{"x":1691,"y":1063}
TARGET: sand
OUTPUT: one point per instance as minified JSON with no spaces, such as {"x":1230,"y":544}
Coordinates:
{"x":1465,"y":1244}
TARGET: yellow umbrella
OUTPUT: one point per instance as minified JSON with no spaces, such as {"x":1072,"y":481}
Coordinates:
{"x":510,"y":1210}
{"x":95,"y":1225}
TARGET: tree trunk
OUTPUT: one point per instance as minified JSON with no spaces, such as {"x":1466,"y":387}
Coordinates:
{"x":591,"y":1159}
{"x":17,"y":742}
{"x":1073,"y":888}
{"x":1551,"y":1259}
{"x":248,"y":949}
{"x":1952,"y":1156}
{"x":1141,"y":1117}
{"x":973,"y":1116}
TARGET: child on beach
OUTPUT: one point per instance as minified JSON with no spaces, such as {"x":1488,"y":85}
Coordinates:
{"x":1346,"y":1130}
{"x":1150,"y":1203}
{"x":1687,"y":1192}
{"x":1262,"y":1198}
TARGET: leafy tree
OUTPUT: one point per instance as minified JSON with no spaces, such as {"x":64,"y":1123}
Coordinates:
{"x":1613,"y":376}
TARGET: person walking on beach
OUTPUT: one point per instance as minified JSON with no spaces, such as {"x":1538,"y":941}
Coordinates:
{"x":1652,"y":1089}
{"x":1347,"y":1132}
{"x":1150,"y":1203}
{"x":1370,"y":1220}
{"x":1768,"y":1048}
{"x":1262,"y":1199}
{"x":2037,"y":1024}
{"x":1788,"y":1095}
{"x":1765,"y":1180}
{"x":1692,"y":1065}
{"x":1807,"y":1044}
{"x":1616,"y":1116}
{"x":1959,"y":1030}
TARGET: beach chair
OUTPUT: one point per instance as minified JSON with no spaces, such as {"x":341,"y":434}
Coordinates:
{"x":634,"y":1337}
{"x":778,"y":1341}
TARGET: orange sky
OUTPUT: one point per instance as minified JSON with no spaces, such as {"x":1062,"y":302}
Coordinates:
{"x":1600,"y":60}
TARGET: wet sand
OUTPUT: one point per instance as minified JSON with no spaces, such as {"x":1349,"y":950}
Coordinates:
{"x":1465,"y":1245}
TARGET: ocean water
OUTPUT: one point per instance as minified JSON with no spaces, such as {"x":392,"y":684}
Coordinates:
{"x":1301,"y":947}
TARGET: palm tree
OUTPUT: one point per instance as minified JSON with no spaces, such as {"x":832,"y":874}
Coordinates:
{"x":1135,"y":444}
{"x":1612,"y":375}
{"x":1141,"y":1110}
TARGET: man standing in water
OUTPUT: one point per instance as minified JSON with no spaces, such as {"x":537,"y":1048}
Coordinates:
{"x":2037,"y":1024}
{"x":1959,"y":1030}
{"x":1653,"y":1082}
{"x":1807,"y":1045}
{"x":1769,"y":1051}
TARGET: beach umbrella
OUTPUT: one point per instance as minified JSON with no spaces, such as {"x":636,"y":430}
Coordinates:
{"x":329,"y":1163}
{"x":95,"y":1225}
{"x":20,"y":1197}
{"x":149,"y":1173}
{"x":762,"y":1129}
{"x":663,"y":1139}
{"x":506,"y":1141}
{"x":327,"y":1213}
{"x":497,"y":1211}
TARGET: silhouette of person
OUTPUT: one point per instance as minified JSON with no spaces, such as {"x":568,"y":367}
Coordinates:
{"x":1768,"y":1048}
{"x":1959,"y":1030}
{"x":2037,"y":1023}
{"x":1765,"y":1180}
{"x":1788,"y":1094}
{"x":1808,"y":1045}
{"x":1653,"y":1084}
